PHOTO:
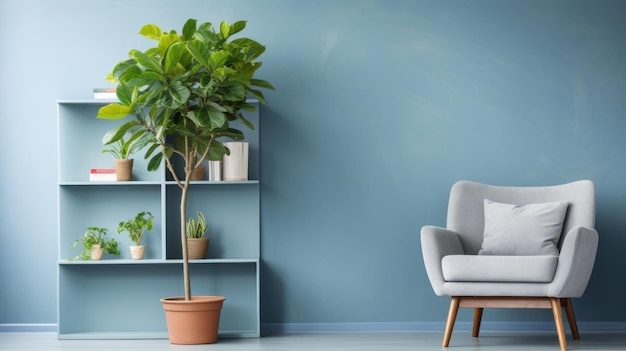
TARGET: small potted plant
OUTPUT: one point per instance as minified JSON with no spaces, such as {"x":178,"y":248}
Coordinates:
{"x":94,"y":244}
{"x":132,"y":141}
{"x":136,"y":227}
{"x":197,"y":244}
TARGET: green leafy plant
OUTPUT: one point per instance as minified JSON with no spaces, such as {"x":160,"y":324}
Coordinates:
{"x":184,"y":93}
{"x":196,"y":229}
{"x":134,"y":140}
{"x":137,"y":226}
{"x":95,"y":236}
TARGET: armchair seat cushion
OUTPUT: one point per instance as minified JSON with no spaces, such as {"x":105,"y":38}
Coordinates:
{"x":499,"y":269}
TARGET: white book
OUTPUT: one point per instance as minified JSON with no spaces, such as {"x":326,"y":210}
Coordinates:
{"x":105,"y":94}
{"x":102,"y":175}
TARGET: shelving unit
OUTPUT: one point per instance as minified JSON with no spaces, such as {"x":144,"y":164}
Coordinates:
{"x":119,"y":298}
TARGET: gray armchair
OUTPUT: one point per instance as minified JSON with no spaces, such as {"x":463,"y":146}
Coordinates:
{"x":513,"y":247}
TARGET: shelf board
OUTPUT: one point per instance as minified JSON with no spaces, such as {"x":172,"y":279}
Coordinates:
{"x":87,"y":101}
{"x":108,"y":101}
{"x":217,"y":182}
{"x":120,"y":183}
{"x":153,"y":182}
{"x":159,"y":261}
{"x":227,"y":334}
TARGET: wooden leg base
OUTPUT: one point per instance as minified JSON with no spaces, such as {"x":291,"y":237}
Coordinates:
{"x":479,"y":303}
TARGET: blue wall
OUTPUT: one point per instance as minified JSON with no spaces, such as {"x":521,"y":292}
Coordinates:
{"x":380,"y":106}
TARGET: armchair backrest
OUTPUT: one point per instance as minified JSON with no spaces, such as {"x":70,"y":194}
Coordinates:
{"x":466,"y":214}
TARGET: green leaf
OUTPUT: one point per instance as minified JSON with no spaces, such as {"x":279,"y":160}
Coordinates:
{"x":252,"y":48}
{"x":224,"y":29}
{"x":151,"y":31}
{"x":261,"y":83}
{"x":232,"y":133}
{"x":124,"y":93}
{"x":180,"y":93}
{"x":218,"y":118}
{"x":257,"y":94}
{"x":200,"y":51}
{"x":217,"y":151}
{"x":116,"y":134}
{"x":173,"y":55}
{"x":155,"y":162}
{"x":151,"y":150}
{"x":165,"y":42}
{"x":235,"y":92}
{"x":152,"y":75}
{"x":245,"y":122}
{"x":189,"y":28}
{"x":147,"y":62}
{"x":237,"y":27}
{"x":114,"y":111}
{"x":200,"y":117}
{"x":218,"y":59}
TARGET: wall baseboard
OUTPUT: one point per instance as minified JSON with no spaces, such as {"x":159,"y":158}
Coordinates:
{"x":28,"y":328}
{"x":279,"y":328}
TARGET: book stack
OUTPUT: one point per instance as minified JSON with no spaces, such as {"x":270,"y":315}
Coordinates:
{"x":102,"y":175}
{"x":104,"y":94}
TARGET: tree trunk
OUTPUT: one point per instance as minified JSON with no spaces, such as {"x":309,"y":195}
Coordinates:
{"x":183,"y":236}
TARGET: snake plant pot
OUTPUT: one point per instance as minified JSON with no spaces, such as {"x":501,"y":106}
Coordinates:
{"x":193,"y":322}
{"x":136,"y":252}
{"x":197,"y":248}
{"x":96,"y":252}
{"x":124,"y":169}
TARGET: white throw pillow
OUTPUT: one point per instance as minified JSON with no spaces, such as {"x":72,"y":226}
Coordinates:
{"x":532,"y":229}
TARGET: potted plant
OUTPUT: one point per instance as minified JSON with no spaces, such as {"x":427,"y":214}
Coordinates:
{"x":133,"y":141}
{"x":198,"y":173}
{"x":184,"y":93}
{"x":197,"y":244}
{"x":94,"y":244}
{"x":136,"y":227}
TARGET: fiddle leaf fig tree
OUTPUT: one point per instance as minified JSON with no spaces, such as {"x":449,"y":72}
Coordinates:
{"x":184,"y":93}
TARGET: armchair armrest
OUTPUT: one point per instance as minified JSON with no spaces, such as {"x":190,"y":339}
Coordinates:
{"x":436,"y":243}
{"x":576,"y":260}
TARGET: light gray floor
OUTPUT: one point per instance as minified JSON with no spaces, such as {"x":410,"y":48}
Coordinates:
{"x":378,"y":341}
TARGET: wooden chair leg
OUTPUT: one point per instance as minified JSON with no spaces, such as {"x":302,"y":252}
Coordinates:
{"x":569,"y":311}
{"x":558,"y":321}
{"x":478,"y":316}
{"x":454,"y":308}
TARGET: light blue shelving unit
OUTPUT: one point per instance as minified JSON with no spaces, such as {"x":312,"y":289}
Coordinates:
{"x":119,"y":298}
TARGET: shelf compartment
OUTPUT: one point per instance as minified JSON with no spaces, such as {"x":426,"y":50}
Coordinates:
{"x":125,"y":300}
{"x":80,"y":146}
{"x":105,"y":206}
{"x":232,"y":215}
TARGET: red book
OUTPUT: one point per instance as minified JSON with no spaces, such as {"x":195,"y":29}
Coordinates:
{"x":102,"y":171}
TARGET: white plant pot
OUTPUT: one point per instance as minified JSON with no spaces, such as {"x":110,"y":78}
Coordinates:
{"x":96,"y":252}
{"x":215,"y":170}
{"x":236,"y":164}
{"x":136,"y":252}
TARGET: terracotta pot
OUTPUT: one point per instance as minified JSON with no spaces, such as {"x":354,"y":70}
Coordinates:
{"x":197,"y":248}
{"x":193,"y":322}
{"x":96,"y":252}
{"x":124,"y":169}
{"x":136,"y":252}
{"x":198,"y":173}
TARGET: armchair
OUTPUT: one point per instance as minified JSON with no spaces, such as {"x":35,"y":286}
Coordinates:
{"x":513,"y":247}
